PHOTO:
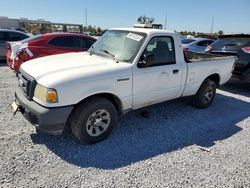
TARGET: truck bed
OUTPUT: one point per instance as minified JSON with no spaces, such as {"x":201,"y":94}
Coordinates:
{"x":201,"y":66}
{"x":192,"y":57}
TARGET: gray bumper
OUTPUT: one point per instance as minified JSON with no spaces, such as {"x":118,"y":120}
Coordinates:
{"x":245,"y":77}
{"x":50,"y":120}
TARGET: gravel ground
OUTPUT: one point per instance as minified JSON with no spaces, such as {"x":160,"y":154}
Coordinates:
{"x":159,"y":151}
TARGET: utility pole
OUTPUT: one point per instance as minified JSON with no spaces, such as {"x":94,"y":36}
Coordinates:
{"x":166,"y":20}
{"x":212,"y":26}
{"x":86,"y":17}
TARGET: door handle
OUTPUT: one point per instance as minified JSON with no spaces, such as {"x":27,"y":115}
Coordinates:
{"x":175,"y":71}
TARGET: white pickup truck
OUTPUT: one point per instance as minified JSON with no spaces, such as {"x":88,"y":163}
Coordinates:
{"x":126,"y":69}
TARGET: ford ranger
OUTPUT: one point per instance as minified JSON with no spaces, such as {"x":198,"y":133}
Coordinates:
{"x":126,"y":69}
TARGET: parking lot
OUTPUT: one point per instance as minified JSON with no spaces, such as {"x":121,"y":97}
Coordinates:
{"x":176,"y":146}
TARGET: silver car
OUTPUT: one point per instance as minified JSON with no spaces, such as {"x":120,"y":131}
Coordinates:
{"x":195,"y":44}
{"x":9,"y":35}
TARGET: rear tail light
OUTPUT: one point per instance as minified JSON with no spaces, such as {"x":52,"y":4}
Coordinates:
{"x":185,"y":49}
{"x":23,"y":56}
{"x":246,"y":50}
{"x":208,"y":48}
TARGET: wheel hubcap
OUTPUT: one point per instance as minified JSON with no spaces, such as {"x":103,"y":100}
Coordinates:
{"x":98,"y":122}
{"x":208,"y":95}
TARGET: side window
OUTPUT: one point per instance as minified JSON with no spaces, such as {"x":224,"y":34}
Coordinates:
{"x":162,"y":51}
{"x":83,"y":42}
{"x":204,"y":43}
{"x":63,"y":41}
{"x":1,"y":36}
{"x":16,"y":36}
{"x":89,"y":43}
{"x":210,"y":42}
{"x":4,"y":36}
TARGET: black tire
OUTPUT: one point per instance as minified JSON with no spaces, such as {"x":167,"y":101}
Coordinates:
{"x":205,"y":95}
{"x":89,"y":117}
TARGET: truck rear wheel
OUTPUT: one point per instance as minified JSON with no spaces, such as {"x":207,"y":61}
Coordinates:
{"x":93,"y":120}
{"x":205,"y":95}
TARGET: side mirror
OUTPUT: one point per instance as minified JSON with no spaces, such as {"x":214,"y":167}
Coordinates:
{"x":146,"y":60}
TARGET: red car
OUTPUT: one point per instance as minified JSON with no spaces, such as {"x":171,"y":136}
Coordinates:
{"x":44,"y":45}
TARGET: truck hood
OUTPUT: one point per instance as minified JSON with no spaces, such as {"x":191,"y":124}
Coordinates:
{"x":62,"y":68}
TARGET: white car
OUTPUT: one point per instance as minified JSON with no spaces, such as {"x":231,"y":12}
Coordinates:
{"x":197,"y":45}
{"x":126,"y":69}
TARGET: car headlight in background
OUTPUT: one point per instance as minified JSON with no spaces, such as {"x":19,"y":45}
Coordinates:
{"x":45,"y":94}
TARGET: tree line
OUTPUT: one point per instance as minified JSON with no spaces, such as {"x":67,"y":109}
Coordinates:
{"x":193,"y":33}
{"x":149,"y":20}
{"x":48,"y":28}
{"x":92,"y":29}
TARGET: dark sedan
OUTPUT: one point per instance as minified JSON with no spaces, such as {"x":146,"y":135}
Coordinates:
{"x":9,"y":35}
{"x":237,"y":45}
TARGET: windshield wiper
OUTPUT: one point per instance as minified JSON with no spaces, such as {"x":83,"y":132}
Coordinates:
{"x":111,"y":55}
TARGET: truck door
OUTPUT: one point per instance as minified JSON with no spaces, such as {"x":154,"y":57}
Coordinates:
{"x":160,"y":78}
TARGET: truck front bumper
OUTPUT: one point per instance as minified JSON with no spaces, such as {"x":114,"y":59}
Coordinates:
{"x":49,"y":120}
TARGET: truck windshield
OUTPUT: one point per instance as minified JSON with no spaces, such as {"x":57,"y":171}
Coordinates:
{"x":122,"y":45}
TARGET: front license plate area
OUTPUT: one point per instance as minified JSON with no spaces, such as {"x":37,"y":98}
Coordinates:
{"x":15,"y":107}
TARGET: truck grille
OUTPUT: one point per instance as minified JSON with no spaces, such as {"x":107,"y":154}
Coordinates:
{"x":26,"y":83}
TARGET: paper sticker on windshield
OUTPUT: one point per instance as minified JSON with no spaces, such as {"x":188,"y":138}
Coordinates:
{"x":134,"y":36}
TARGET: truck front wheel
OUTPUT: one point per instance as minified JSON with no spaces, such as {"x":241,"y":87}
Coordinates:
{"x":205,"y":95}
{"x":93,"y":120}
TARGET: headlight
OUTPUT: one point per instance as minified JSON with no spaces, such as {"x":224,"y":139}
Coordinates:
{"x":45,"y":94}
